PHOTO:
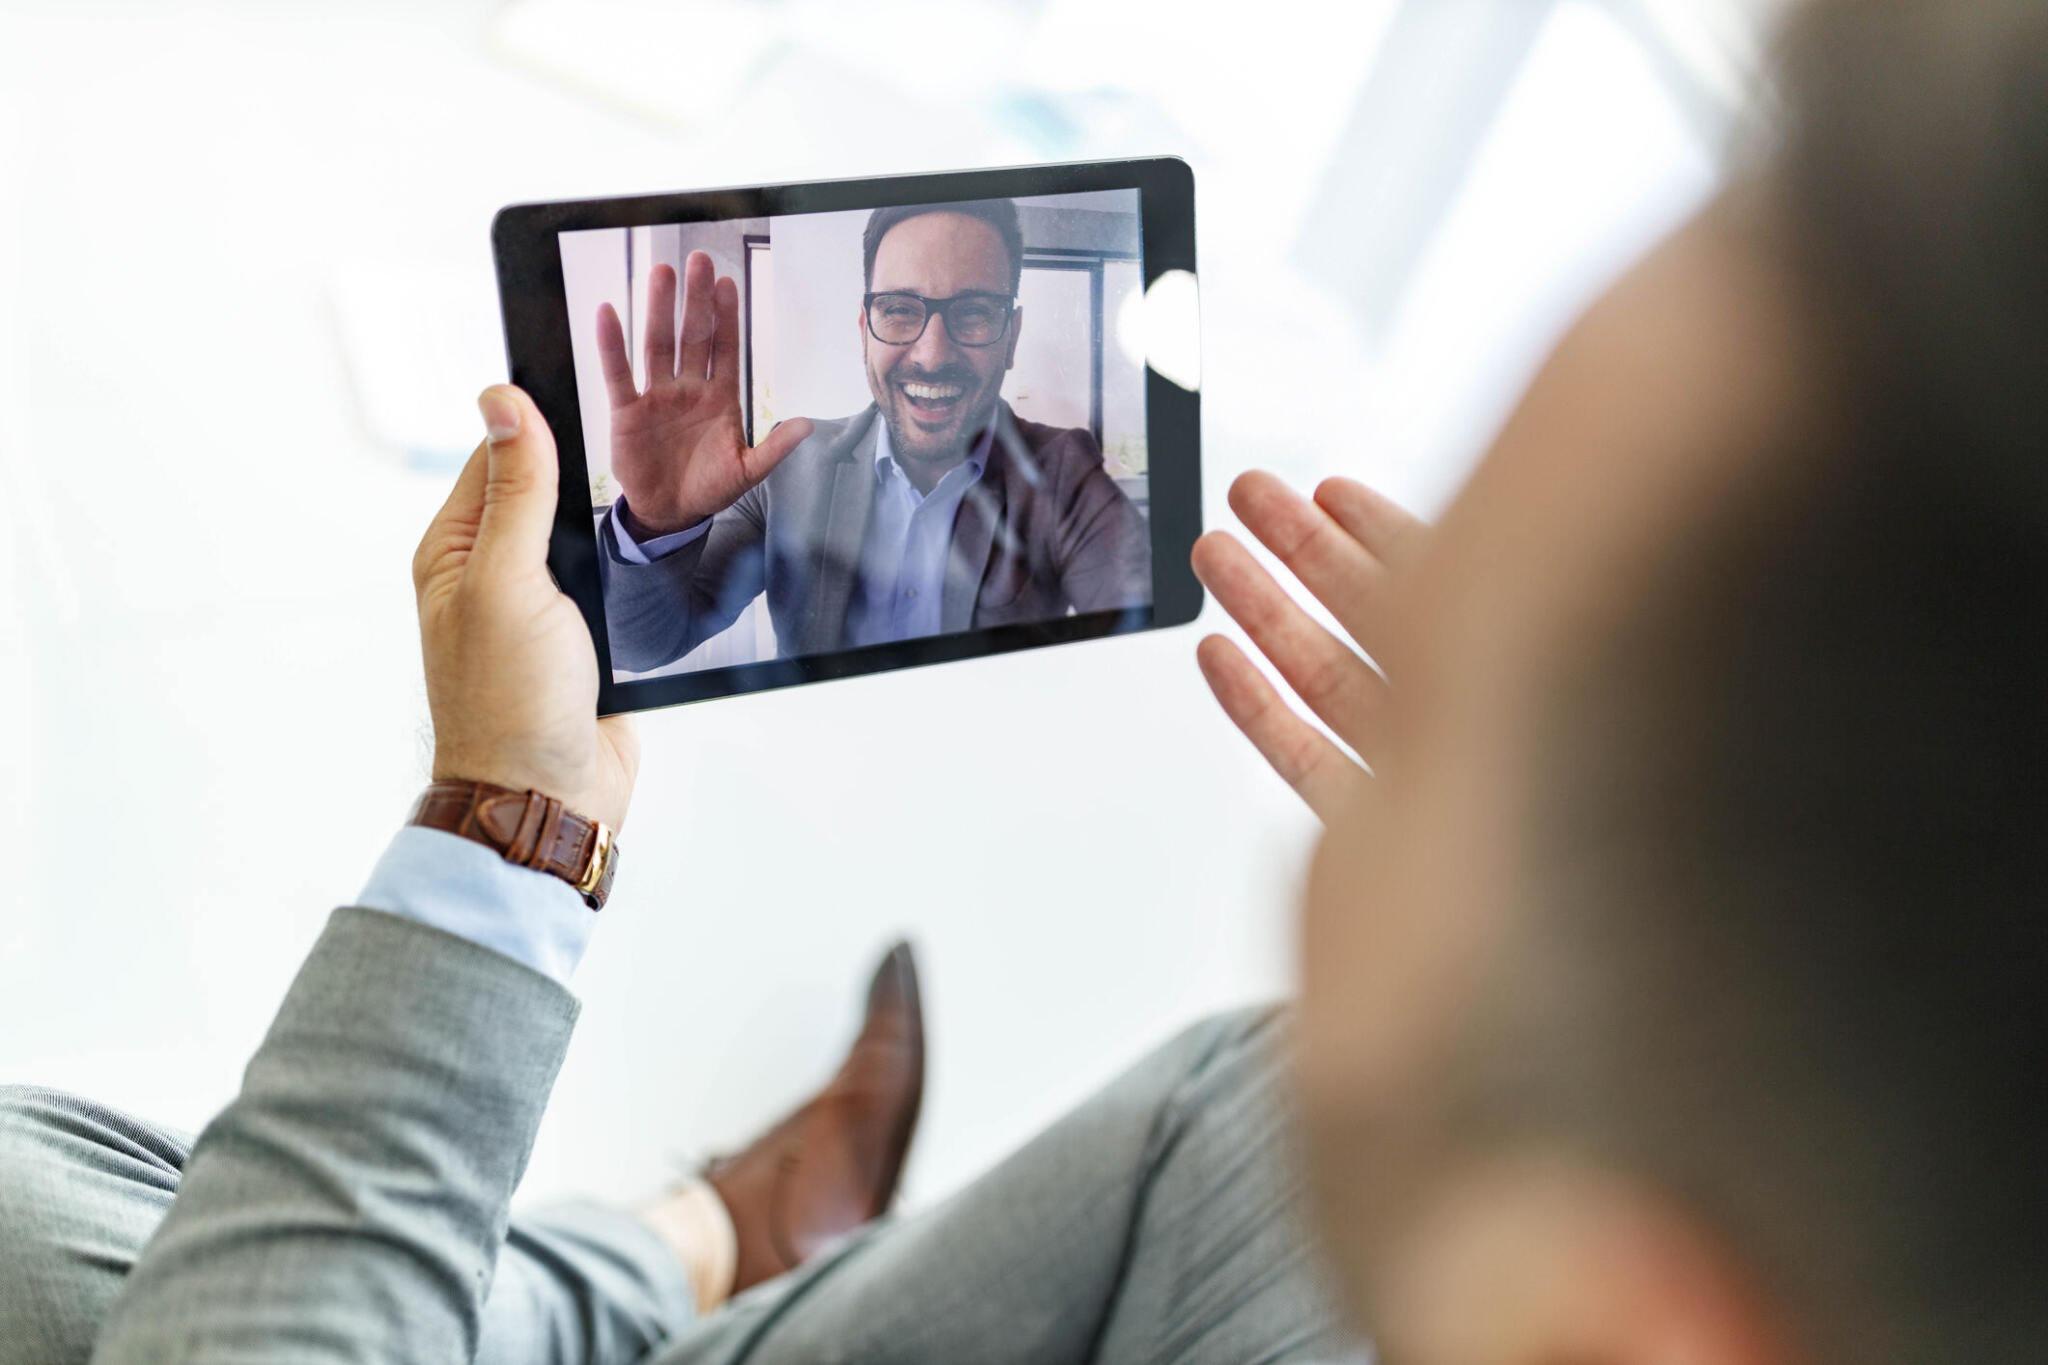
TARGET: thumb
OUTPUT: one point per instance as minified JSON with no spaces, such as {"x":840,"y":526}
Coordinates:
{"x":776,"y":446}
{"x":520,"y":480}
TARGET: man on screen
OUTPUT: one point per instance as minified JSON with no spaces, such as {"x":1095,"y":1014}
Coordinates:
{"x":936,"y":509}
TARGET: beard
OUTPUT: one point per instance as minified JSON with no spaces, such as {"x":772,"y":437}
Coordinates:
{"x":936,"y":434}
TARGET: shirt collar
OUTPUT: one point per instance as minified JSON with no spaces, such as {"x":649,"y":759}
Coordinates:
{"x":885,"y":450}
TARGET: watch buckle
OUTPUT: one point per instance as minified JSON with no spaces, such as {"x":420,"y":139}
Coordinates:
{"x":600,"y":859}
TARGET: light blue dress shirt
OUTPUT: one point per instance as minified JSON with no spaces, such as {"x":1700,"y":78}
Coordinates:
{"x":910,"y":535}
{"x":654,"y":547}
{"x":902,"y":575}
{"x":458,"y":886}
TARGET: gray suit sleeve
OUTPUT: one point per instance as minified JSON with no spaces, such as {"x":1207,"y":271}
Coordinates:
{"x":350,"y":1204}
{"x":657,"y":612}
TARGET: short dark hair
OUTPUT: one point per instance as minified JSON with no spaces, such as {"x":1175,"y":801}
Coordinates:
{"x":1791,"y":912}
{"x":1000,"y":214}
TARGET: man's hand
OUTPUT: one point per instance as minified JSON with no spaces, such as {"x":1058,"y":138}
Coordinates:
{"x":679,"y":450}
{"x":511,"y":672}
{"x":1345,"y":547}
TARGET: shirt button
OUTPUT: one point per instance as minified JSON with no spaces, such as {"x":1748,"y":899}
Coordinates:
{"x":911,"y":593}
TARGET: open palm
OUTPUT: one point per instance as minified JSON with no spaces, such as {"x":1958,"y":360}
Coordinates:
{"x":679,"y":449}
{"x":1349,"y":546}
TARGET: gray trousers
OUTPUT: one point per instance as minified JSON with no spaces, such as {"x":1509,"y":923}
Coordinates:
{"x":1156,"y":1222}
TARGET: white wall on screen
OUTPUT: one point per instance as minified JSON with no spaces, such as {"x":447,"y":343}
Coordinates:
{"x":593,"y":274}
{"x":1124,"y":447}
{"x":816,"y":370}
{"x":1053,"y":375}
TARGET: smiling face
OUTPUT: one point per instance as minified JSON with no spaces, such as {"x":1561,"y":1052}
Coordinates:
{"x":936,"y":394}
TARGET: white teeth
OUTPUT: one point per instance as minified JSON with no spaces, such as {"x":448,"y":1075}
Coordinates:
{"x":936,"y":393}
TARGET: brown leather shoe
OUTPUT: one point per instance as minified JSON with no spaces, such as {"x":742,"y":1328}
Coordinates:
{"x":834,"y":1163}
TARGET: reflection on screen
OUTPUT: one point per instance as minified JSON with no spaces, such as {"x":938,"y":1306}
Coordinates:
{"x":972,"y":444}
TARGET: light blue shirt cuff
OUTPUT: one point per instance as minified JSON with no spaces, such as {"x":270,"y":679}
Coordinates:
{"x":633,"y":552}
{"x":458,"y":886}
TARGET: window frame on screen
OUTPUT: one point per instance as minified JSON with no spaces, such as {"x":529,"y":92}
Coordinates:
{"x":532,"y":296}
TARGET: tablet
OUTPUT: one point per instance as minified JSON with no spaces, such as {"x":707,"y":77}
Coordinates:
{"x":816,"y":430}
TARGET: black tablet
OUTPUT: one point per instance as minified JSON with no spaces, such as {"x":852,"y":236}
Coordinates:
{"x":809,"y":431}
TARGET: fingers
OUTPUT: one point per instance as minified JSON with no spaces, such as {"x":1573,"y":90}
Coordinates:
{"x":661,"y":325}
{"x":725,"y":335}
{"x":611,"y":355}
{"x":695,"y":360}
{"x":1388,"y":533}
{"x":1303,"y":756}
{"x":1337,"y":685}
{"x":519,"y":488}
{"x":1329,"y":560}
{"x":775,"y":448}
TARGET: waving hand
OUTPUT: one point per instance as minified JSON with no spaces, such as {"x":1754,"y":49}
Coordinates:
{"x":679,"y":449}
{"x":1346,"y":546}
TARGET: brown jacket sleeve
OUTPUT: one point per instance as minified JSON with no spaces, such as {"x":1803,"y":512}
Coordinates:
{"x":1102,"y":544}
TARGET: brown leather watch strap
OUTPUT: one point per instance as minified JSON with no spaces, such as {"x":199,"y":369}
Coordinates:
{"x":529,"y":829}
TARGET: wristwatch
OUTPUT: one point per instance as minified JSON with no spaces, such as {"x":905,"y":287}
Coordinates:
{"x":527,"y":828}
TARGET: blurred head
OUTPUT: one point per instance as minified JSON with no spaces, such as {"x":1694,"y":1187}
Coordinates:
{"x":937,"y":388}
{"x":1675,"y":994}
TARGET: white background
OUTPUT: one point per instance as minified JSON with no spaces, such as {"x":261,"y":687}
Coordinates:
{"x":245,"y":305}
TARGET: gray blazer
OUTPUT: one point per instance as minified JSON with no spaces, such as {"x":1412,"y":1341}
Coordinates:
{"x":350,"y":1204}
{"x":1044,"y":531}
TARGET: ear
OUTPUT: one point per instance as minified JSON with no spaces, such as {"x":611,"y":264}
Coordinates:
{"x":1534,"y":1261}
{"x":1016,"y":330}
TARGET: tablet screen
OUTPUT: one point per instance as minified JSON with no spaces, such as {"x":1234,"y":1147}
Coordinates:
{"x":853,"y":438}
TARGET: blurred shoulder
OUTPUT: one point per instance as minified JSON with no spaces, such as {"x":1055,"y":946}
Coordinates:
{"x":1058,"y":449}
{"x":831,"y":439}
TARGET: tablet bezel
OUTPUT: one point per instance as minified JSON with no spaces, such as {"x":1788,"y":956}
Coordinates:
{"x":531,"y":292}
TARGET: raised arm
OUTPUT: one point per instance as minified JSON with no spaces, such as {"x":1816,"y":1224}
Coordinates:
{"x":680,"y":455}
{"x":350,"y":1203}
{"x":659,"y":609}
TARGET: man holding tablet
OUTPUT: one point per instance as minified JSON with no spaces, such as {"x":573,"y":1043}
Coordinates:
{"x":935,"y":510}
{"x":351,"y":1203}
{"x":1659,"y":1001}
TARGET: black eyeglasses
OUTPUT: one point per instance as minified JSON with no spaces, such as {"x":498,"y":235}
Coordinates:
{"x":977,"y":319}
